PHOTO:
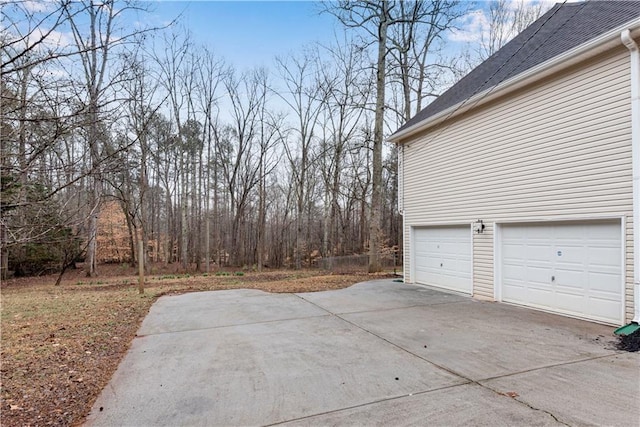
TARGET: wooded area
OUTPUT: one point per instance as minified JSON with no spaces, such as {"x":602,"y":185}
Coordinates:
{"x":212,"y":165}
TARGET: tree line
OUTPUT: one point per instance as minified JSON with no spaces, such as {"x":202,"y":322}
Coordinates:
{"x":212,"y":165}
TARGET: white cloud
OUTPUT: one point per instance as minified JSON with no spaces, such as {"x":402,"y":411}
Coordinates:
{"x":473,"y":28}
{"x":38,"y":6}
{"x":52,"y":41}
{"x":476,"y":25}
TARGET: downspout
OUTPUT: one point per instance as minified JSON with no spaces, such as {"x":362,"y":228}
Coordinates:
{"x":635,"y":165}
{"x":401,"y":148}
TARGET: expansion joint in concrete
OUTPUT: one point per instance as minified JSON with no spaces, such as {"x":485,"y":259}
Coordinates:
{"x":571,"y":362}
{"x":391,"y":343}
{"x":373,"y":402}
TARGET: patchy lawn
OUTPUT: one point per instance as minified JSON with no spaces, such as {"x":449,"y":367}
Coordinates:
{"x":61,"y":345}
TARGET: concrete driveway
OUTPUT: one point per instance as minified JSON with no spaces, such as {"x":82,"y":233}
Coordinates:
{"x":378,"y":353}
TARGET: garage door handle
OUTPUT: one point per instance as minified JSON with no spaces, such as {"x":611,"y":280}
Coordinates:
{"x":553,"y":278}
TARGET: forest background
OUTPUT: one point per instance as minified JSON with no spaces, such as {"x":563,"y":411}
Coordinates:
{"x":118,"y":127}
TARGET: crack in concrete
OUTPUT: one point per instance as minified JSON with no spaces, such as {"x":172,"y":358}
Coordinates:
{"x":528,"y":405}
{"x":469,"y":380}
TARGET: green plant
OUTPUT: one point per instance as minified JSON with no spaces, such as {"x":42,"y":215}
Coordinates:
{"x":239,"y":273}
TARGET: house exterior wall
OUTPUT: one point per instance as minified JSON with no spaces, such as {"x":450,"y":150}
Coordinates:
{"x":556,"y":150}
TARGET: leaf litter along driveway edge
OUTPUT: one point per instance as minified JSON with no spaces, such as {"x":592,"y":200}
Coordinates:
{"x":61,"y":345}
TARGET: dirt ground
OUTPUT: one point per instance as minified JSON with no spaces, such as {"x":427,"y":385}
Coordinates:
{"x":630,"y":342}
{"x":61,"y":344}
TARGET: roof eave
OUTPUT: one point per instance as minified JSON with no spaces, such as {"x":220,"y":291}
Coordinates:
{"x":580,"y":53}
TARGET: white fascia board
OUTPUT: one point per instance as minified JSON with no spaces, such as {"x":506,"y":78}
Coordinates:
{"x":578,"y":54}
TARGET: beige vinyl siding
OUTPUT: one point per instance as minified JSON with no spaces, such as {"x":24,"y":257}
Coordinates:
{"x":483,"y":263}
{"x":559,"y":149}
{"x":629,"y":268}
{"x":406,"y":253}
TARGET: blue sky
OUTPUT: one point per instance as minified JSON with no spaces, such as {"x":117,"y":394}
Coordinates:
{"x":246,"y":33}
{"x":251,"y":33}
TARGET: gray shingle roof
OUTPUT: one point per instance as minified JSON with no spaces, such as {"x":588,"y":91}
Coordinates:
{"x":561,"y":29}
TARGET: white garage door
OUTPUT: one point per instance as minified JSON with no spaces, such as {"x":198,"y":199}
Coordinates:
{"x":571,"y":268}
{"x":442,"y":257}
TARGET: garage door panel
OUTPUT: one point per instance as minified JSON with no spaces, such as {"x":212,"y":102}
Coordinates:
{"x":443,"y":257}
{"x":456,"y":264}
{"x":570,"y":302}
{"x":512,"y":270}
{"x":450,"y":247}
{"x":538,"y":296}
{"x":538,"y":252}
{"x":604,"y":283}
{"x":567,"y":231}
{"x":426,"y":263}
{"x":537,"y":274}
{"x":604,"y":255}
{"x":568,"y":254}
{"x":608,"y":308}
{"x":514,"y":251}
{"x":573,"y":268}
{"x":569,"y":282}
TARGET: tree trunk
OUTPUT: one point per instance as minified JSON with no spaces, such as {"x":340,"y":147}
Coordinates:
{"x":376,"y":194}
{"x":184,"y":226}
{"x":261,"y":217}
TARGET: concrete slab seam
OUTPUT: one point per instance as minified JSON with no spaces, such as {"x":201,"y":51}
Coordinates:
{"x":391,"y":343}
{"x":443,"y":290}
{"x":232,"y":326}
{"x":385,"y":309}
{"x":373,"y":402}
{"x":469,"y":380}
{"x":571,"y":362}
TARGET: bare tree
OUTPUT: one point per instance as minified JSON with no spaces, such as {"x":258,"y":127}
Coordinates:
{"x":416,"y":50}
{"x":27,"y":39}
{"x":505,"y":20}
{"x":269,"y":136}
{"x":142,"y":104}
{"x":239,"y":151}
{"x":177,"y":66}
{"x":210,"y":77}
{"x":303,"y":95}
{"x":374,"y":18}
{"x":96,"y":35}
{"x":346,"y":89}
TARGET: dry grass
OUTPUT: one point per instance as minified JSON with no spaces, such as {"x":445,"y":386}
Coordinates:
{"x":60,"y":345}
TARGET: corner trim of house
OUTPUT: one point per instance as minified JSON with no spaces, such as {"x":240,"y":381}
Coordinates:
{"x":497,"y":256}
{"x":634,"y":57}
{"x":623,"y":263}
{"x":471,"y":257}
